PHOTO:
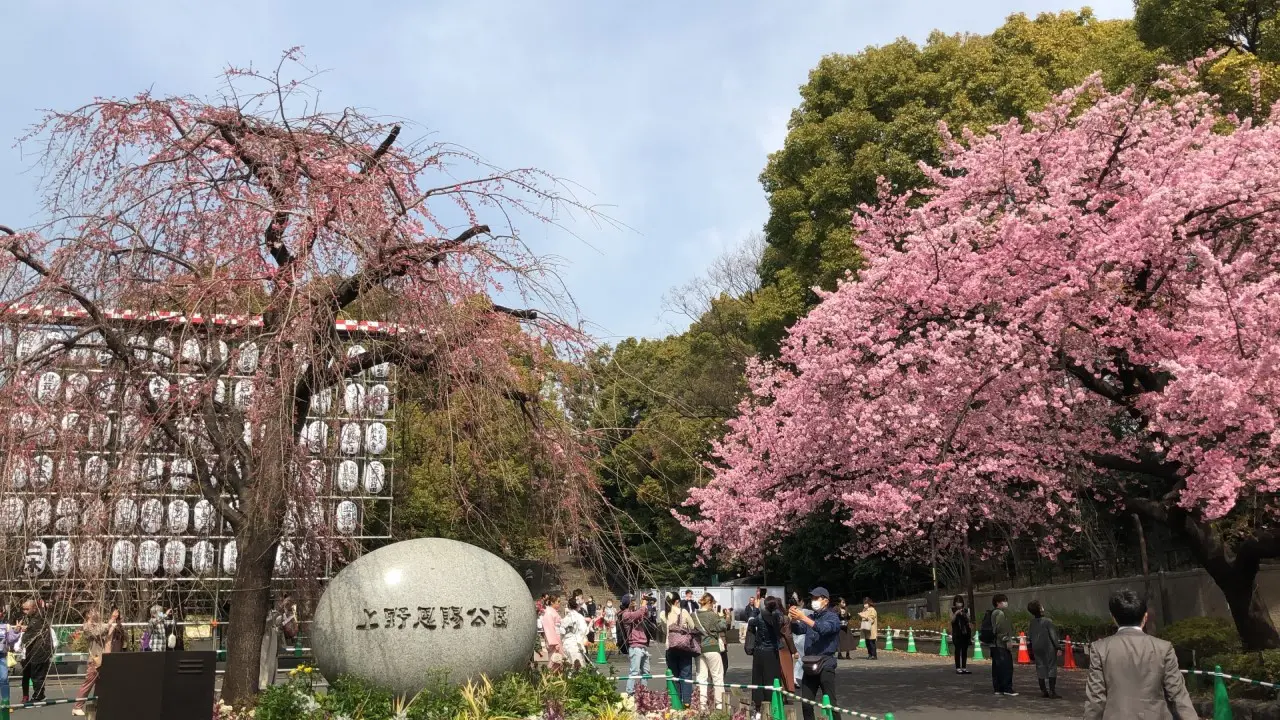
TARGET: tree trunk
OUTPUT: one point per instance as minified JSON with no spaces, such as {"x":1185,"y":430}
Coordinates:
{"x":1252,"y":619}
{"x":250,"y":602}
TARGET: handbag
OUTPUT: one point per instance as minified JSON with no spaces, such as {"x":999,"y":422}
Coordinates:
{"x":749,"y":643}
{"x":172,"y":641}
{"x":866,"y":626}
{"x":684,"y":639}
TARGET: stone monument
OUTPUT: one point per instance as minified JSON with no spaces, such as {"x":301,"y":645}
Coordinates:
{"x":418,"y":609}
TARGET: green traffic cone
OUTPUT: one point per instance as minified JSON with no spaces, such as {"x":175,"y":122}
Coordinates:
{"x":1221,"y":705}
{"x":826,"y":707}
{"x":911,"y":640}
{"x":297,"y":648}
{"x":4,"y":709}
{"x":977,"y":651}
{"x":600,"y":657}
{"x":888,"y":716}
{"x":673,"y":694}
{"x":862,"y":642}
{"x":776,"y":704}
{"x":888,"y":639}
{"x":943,"y":650}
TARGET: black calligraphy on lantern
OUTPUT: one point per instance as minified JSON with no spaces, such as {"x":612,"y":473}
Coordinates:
{"x":451,"y":617}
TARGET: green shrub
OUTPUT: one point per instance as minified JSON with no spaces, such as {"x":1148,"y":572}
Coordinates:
{"x":1264,"y":666}
{"x":1201,"y":637}
{"x":515,"y":695}
{"x":1079,"y":626}
{"x":283,"y":702}
{"x":356,"y":698}
{"x":589,"y":690}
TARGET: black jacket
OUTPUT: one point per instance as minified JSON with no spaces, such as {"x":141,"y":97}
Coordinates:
{"x":37,"y":646}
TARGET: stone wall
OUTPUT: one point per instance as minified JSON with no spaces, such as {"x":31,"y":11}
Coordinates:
{"x":1174,"y":596}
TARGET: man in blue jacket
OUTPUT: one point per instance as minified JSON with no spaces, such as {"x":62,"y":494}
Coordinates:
{"x":821,"y":642}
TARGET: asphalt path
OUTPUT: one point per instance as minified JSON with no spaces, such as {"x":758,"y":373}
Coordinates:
{"x":912,"y":687}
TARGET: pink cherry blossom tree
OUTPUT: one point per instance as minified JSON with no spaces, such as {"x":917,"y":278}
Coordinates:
{"x":257,"y":203}
{"x":1084,"y":305}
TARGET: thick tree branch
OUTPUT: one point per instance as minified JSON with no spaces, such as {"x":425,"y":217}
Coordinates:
{"x":395,"y":263}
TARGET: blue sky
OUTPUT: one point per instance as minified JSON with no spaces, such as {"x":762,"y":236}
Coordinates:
{"x":664,"y":111}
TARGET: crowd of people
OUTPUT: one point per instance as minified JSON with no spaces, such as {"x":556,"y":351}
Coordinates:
{"x":797,"y":647}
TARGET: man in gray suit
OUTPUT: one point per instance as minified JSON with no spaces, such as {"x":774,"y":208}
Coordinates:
{"x":1132,"y":675}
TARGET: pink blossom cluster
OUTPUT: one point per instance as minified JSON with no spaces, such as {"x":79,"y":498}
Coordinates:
{"x":1084,"y":303}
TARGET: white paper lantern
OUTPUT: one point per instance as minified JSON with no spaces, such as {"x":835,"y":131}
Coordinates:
{"x":163,"y":352}
{"x":243,"y":394}
{"x":141,"y":348}
{"x":191,"y":350}
{"x":77,"y":386}
{"x":29,"y":343}
{"x":204,"y":516}
{"x":68,"y":515}
{"x":229,"y":557}
{"x":39,"y":515}
{"x":346,"y":517}
{"x":152,"y":516}
{"x":349,"y":439}
{"x":158,"y":387}
{"x":353,"y":399}
{"x":125,"y":517}
{"x":375,"y":476}
{"x":106,"y":391}
{"x":94,"y":518}
{"x":12,"y":513}
{"x":122,"y":557}
{"x":49,"y":385}
{"x":322,"y":402}
{"x":62,"y":558}
{"x":96,"y":472}
{"x":181,"y":474}
{"x":247,"y":361}
{"x":37,"y":556}
{"x":378,"y":400}
{"x":149,"y":557}
{"x":90,"y":557}
{"x":381,"y":371}
{"x":203,"y":558}
{"x":375,"y":438}
{"x":42,"y":473}
{"x":316,"y":436}
{"x":175,"y":557}
{"x":179,"y":516}
{"x":217,"y":352}
{"x":100,"y":431}
{"x":152,"y":473}
{"x":348,"y":476}
{"x":19,"y":472}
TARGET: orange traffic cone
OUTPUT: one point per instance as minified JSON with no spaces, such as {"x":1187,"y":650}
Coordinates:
{"x":1024,"y":657}
{"x":1068,"y":655}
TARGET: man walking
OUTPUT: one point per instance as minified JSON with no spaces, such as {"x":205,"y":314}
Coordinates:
{"x":37,"y":649}
{"x":1001,"y":653}
{"x":1131,"y":674}
{"x":822,"y":640}
{"x":633,"y":624}
{"x":95,"y":634}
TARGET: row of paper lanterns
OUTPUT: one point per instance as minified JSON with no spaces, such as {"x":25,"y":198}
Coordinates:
{"x":357,"y":398}
{"x":150,"y":516}
{"x":148,"y":557}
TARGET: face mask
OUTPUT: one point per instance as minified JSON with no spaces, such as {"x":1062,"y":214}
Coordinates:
{"x":816,"y":604}
{"x":609,"y":605}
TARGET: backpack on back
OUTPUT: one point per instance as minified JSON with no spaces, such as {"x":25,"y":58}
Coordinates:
{"x":623,"y":631}
{"x":987,"y":632}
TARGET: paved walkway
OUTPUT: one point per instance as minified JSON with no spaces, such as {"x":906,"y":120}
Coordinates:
{"x":912,"y":687}
{"x":924,"y":687}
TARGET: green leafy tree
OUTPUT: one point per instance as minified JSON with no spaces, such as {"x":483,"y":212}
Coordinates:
{"x":1187,"y":29}
{"x":876,"y":114}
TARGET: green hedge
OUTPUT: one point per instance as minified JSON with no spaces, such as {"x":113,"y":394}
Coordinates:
{"x":1264,"y":666}
{"x":1201,"y":637}
{"x":1080,"y":627}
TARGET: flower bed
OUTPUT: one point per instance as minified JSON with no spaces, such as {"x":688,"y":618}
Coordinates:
{"x":585,"y":695}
